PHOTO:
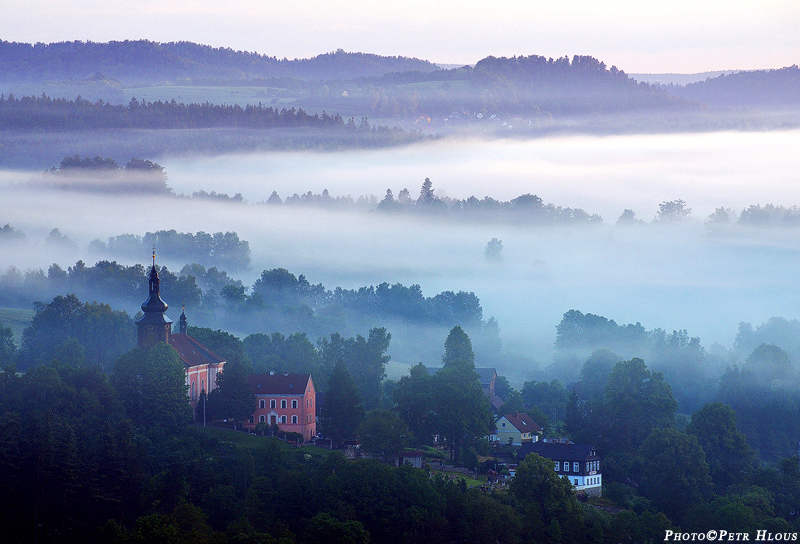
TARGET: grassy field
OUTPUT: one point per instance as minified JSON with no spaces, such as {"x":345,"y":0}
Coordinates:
{"x":252,"y":441}
{"x":16,"y":319}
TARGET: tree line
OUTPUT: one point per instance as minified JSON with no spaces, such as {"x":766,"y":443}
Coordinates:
{"x":278,"y":301}
{"x":47,"y":114}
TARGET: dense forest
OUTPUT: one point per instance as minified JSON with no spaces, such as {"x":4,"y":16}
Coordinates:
{"x":46,"y":114}
{"x":110,"y":455}
{"x":764,"y":89}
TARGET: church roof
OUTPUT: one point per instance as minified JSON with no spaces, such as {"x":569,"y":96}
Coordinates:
{"x":192,"y":352}
{"x":278,"y":384}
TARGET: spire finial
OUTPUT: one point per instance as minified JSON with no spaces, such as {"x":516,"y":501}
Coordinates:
{"x":154,"y":255}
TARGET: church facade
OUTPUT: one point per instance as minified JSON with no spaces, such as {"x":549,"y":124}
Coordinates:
{"x":201,"y":365}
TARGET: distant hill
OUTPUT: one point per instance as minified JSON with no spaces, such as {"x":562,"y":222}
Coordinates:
{"x":752,"y":89}
{"x":563,"y":86}
{"x":145,"y":61}
{"x":679,"y":79}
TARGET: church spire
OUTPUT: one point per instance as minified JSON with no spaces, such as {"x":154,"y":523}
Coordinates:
{"x":182,"y":324}
{"x":154,"y":326}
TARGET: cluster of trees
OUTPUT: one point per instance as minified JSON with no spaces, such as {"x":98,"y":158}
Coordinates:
{"x":676,"y":211}
{"x":105,"y":175}
{"x":526,"y":208}
{"x":758,"y":378}
{"x":202,"y":248}
{"x":277,"y":301}
{"x":696,"y":472}
{"x":582,"y":85}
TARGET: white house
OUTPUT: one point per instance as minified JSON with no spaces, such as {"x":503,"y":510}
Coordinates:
{"x":515,"y":429}
{"x":577,"y":462}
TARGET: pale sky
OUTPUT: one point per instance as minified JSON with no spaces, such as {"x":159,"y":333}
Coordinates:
{"x":682,"y":36}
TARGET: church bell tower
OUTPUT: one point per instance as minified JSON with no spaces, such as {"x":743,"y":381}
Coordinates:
{"x":154,"y":326}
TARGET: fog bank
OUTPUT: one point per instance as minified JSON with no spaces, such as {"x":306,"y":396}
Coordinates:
{"x":667,"y":276}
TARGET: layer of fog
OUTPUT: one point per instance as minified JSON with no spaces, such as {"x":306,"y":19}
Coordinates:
{"x":672,"y":277}
{"x":601,"y":175}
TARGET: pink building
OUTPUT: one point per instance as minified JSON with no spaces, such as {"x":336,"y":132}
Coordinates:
{"x":285,"y":400}
{"x":200,"y":363}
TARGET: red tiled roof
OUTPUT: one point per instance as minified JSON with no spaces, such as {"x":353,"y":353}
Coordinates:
{"x":523,"y":422}
{"x":192,"y":352}
{"x":278,"y":384}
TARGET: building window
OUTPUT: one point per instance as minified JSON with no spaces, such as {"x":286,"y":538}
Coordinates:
{"x":576,"y":468}
{"x":294,"y":419}
{"x":283,"y":419}
{"x":202,"y":386}
{"x":262,"y":419}
{"x":576,"y":481}
{"x":194,"y":390}
{"x":587,"y":467}
{"x":294,"y":404}
{"x":251,"y":419}
{"x":503,"y":425}
{"x":272,"y":403}
{"x":557,"y":467}
{"x":262,"y":404}
{"x":283,"y":404}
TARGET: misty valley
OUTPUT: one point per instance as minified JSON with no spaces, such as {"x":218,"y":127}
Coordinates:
{"x":623,"y":255}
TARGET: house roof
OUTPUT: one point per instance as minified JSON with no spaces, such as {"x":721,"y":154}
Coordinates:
{"x":558,"y":451}
{"x":523,"y":422}
{"x":278,"y":384}
{"x":496,"y":402}
{"x":192,"y":352}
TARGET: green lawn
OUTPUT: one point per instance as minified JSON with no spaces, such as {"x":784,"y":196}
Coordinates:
{"x":16,"y":319}
{"x":252,"y":441}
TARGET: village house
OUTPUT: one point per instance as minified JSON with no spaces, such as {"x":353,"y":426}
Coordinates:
{"x":577,"y":462}
{"x":201,"y":365}
{"x":515,"y":429}
{"x":285,"y":400}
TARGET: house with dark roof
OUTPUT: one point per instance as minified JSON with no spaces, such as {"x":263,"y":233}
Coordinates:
{"x":200,"y":364}
{"x":577,"y":462}
{"x":515,"y":430}
{"x":285,"y":400}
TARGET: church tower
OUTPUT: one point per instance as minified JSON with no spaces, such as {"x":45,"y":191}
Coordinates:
{"x":154,"y":326}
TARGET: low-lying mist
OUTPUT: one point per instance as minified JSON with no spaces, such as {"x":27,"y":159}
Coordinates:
{"x":670,"y":276}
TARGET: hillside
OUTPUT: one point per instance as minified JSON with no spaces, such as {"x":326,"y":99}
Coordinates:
{"x":755,"y":89}
{"x":560,"y":86}
{"x":144,"y":61}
